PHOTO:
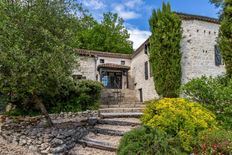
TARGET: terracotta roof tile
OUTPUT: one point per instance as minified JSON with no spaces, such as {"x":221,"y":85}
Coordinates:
{"x":186,"y":16}
{"x":92,"y":53}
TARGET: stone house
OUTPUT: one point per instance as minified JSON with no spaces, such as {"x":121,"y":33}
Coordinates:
{"x":200,"y":56}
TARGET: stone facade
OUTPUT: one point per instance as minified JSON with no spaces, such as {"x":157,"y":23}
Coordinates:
{"x":86,"y":67}
{"x":198,"y":50}
{"x":198,"y":57}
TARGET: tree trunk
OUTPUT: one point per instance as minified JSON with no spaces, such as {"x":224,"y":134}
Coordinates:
{"x":43,"y":110}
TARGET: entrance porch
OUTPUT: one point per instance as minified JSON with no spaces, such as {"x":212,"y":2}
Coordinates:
{"x":114,"y":76}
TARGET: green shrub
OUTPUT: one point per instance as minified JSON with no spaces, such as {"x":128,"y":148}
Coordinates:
{"x":214,"y":142}
{"x":215,"y":94}
{"x":148,"y":141}
{"x":180,"y":118}
{"x":2,"y":102}
{"x":208,"y":90}
{"x":83,"y":96}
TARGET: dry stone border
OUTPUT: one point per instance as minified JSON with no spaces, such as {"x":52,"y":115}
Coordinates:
{"x":32,"y":132}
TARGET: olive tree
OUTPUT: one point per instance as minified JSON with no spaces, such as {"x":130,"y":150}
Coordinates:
{"x":35,"y":53}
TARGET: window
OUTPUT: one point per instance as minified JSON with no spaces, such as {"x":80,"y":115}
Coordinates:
{"x":122,"y":62}
{"x":102,"y":61}
{"x":146,"y":70}
{"x":141,"y":94}
{"x":77,"y":77}
{"x":145,"y":49}
{"x":218,"y":57}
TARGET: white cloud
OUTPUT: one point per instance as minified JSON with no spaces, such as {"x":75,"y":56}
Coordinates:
{"x":125,"y":14}
{"x":94,"y":4}
{"x":133,"y":3}
{"x":138,"y":37}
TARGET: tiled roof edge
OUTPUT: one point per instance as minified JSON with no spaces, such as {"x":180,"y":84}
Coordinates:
{"x":186,"y":16}
{"x":93,"y":53}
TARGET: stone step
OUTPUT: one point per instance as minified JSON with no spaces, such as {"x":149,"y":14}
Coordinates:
{"x":120,"y":110}
{"x":120,"y":121}
{"x":129,"y":102}
{"x":112,"y":140}
{"x":122,"y":105}
{"x":131,"y":120}
{"x":118,"y":115}
{"x":97,"y":144}
{"x":115,"y":127}
{"x":81,"y":150}
{"x":108,"y":132}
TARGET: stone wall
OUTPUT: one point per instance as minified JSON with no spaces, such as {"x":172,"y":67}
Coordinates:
{"x":32,"y":132}
{"x":86,"y":67}
{"x":138,"y":73}
{"x":197,"y":47}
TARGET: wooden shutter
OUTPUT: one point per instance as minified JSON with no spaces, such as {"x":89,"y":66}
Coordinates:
{"x":146,"y":70}
{"x":218,"y":57}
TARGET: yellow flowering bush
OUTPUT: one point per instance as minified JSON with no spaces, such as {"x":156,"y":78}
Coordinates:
{"x":180,"y":118}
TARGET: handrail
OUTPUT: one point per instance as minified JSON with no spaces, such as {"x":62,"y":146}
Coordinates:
{"x":118,"y":93}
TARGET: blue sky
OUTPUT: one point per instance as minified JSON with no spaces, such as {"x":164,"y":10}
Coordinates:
{"x":136,"y":13}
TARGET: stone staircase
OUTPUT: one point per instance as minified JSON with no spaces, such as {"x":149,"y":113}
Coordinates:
{"x":115,"y":119}
{"x":118,"y":96}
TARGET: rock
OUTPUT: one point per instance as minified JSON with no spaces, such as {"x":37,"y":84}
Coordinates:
{"x":56,"y":142}
{"x":59,"y":149}
{"x":44,"y":146}
{"x":22,"y":142}
{"x":33,"y":148}
{"x":39,"y":138}
{"x":60,"y":136}
{"x":92,"y":121}
{"x":46,"y":151}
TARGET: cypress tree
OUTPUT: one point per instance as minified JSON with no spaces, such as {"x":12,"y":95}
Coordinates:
{"x":165,"y":55}
{"x":225,"y":36}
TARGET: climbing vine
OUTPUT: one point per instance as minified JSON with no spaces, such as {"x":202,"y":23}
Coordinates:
{"x":165,"y":55}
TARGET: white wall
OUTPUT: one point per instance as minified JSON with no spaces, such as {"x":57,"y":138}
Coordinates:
{"x":114,"y":61}
{"x":138,"y":73}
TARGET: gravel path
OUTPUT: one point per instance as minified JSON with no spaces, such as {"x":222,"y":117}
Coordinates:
{"x":11,"y":149}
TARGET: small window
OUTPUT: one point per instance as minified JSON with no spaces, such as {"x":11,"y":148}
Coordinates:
{"x":77,"y":77}
{"x":146,"y":70}
{"x":122,"y":62}
{"x":146,"y":48}
{"x":218,"y":57}
{"x":102,"y":61}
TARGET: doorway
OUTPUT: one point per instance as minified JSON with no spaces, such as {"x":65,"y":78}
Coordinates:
{"x":141,"y":95}
{"x":112,"y":80}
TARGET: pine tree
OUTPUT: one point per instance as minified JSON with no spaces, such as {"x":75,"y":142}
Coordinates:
{"x":165,"y":53}
{"x":225,"y":37}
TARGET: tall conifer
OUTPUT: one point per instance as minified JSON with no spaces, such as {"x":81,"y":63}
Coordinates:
{"x":165,"y":55}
